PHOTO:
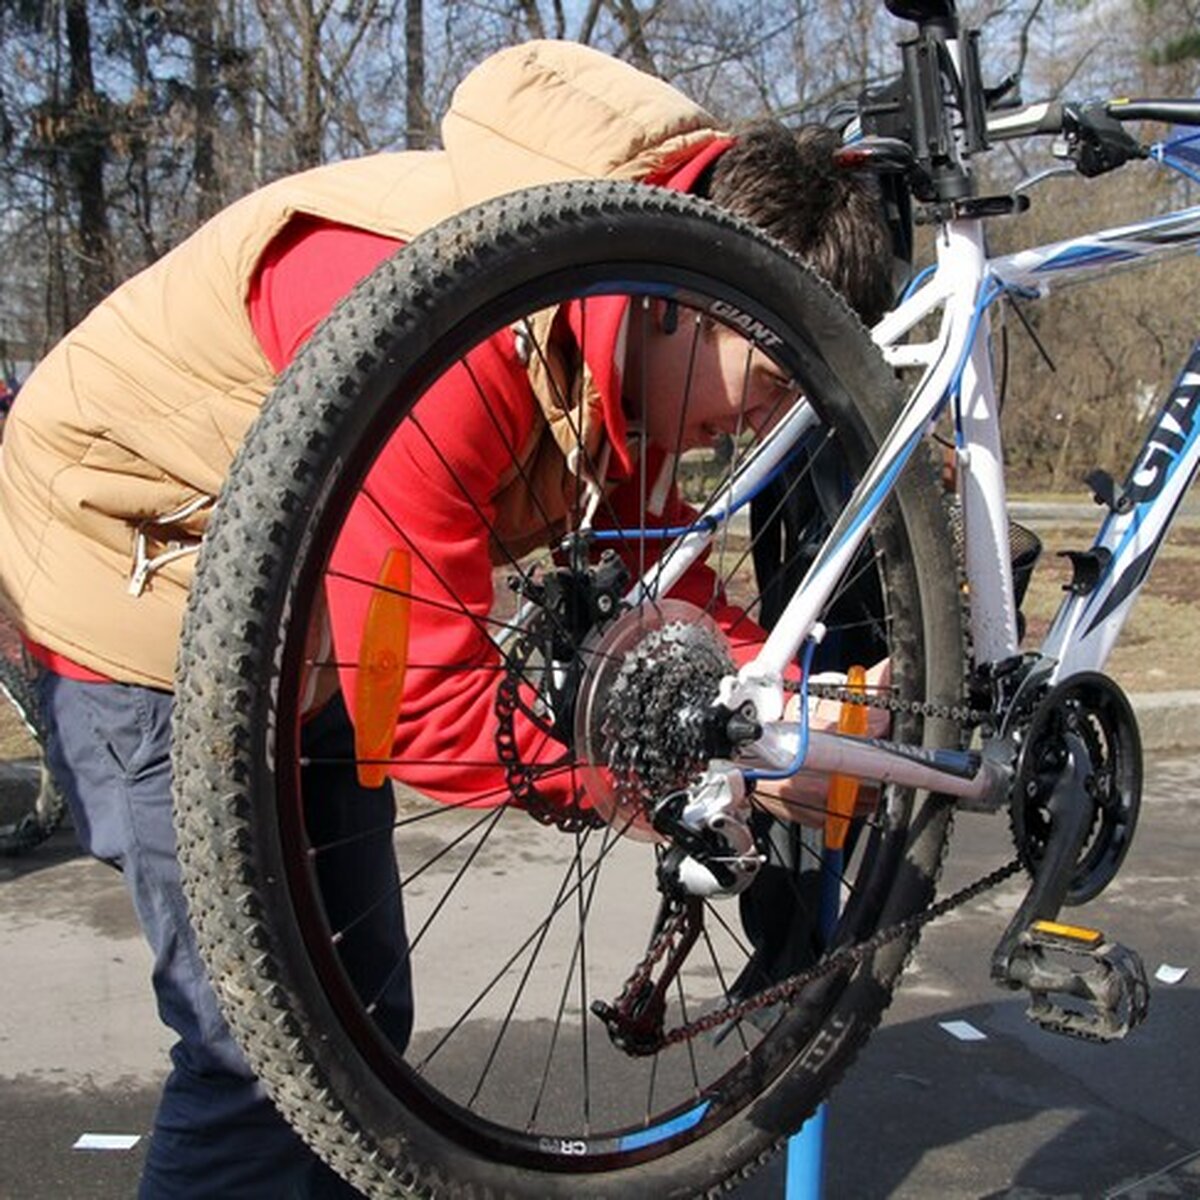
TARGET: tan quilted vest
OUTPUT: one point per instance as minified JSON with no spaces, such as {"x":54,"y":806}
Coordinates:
{"x":130,"y":424}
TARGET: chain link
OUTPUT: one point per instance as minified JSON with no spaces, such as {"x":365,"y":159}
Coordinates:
{"x":840,"y":960}
{"x":961,"y":714}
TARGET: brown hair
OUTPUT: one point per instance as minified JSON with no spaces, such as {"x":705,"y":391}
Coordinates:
{"x":785,"y":182}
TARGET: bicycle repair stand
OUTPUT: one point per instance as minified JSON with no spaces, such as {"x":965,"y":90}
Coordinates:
{"x":804,"y":1177}
{"x":804,"y":1170}
{"x":804,"y":1174}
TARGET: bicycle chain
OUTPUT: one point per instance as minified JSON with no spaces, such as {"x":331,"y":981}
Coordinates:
{"x":959,"y":713}
{"x":786,"y":989}
{"x":520,"y":779}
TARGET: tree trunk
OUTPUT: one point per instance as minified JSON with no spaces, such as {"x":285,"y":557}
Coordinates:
{"x":416,"y":115}
{"x":86,"y":151}
{"x":312,"y":112}
{"x":204,"y":84}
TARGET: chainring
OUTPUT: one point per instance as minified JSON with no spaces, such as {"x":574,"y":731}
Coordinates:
{"x":1094,"y":707}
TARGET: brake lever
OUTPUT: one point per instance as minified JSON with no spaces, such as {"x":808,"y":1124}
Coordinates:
{"x":1094,"y":141}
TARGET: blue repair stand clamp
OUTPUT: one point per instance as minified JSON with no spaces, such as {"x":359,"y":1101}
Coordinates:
{"x":804,"y":1173}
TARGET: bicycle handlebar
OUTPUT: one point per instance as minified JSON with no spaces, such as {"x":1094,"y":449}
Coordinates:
{"x":1026,"y":121}
{"x":1178,"y":112}
{"x":1048,"y":117}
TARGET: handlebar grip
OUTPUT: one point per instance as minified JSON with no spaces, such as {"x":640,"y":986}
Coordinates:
{"x":1025,"y":122}
{"x":1179,"y":112}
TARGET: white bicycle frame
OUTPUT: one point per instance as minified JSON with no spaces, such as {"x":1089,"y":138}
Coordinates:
{"x":957,"y":375}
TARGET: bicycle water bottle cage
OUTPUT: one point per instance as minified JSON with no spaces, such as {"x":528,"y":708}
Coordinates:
{"x":1087,"y":566}
{"x":1105,"y":491}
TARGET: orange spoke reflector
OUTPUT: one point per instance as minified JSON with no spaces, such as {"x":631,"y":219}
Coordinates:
{"x":382,"y":659}
{"x":843,"y":789}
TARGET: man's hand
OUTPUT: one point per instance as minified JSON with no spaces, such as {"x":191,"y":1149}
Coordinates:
{"x":804,"y":797}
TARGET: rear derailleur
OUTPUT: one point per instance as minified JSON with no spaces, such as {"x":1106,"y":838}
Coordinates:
{"x":711,"y":852}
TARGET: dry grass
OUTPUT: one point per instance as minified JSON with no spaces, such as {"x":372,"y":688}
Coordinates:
{"x":15,"y":741}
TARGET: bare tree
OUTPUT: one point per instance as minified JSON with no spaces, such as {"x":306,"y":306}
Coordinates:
{"x":202,"y":32}
{"x":311,"y":47}
{"x":417,"y":130}
{"x":82,"y":135}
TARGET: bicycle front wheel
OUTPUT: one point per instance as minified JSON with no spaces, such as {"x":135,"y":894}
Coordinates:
{"x":403,"y":527}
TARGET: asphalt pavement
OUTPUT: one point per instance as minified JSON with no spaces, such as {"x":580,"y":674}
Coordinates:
{"x":1019,"y":1113}
{"x":1012,"y":1112}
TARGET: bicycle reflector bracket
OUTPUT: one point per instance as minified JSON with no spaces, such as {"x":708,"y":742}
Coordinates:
{"x":382,"y":661}
{"x":843,"y":789}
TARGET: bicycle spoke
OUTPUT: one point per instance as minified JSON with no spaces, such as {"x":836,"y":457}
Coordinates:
{"x":514,"y":957}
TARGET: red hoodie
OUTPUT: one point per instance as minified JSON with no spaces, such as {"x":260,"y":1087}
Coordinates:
{"x":439,"y":474}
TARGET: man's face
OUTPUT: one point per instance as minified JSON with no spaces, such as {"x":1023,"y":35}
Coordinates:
{"x":700,"y":381}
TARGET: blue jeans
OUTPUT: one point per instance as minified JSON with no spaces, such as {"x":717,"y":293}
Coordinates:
{"x":216,"y":1133}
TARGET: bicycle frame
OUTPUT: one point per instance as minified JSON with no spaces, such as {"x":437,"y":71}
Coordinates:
{"x":1088,"y":622}
{"x":957,"y":376}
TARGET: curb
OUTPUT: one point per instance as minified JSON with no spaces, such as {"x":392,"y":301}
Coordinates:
{"x":1168,"y":720}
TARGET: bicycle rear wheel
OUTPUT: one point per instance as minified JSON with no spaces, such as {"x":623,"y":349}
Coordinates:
{"x":525,"y":898}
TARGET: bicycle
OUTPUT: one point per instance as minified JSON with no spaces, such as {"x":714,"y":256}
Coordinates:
{"x":635,"y":749}
{"x":31,"y":806}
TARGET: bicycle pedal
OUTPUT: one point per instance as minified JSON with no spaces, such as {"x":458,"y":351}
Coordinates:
{"x":1080,"y":983}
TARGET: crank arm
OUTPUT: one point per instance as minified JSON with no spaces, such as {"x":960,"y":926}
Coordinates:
{"x":1080,"y":983}
{"x":1071,"y":812}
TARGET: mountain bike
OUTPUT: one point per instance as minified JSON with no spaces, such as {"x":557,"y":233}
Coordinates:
{"x":652,"y":921}
{"x":31,"y":806}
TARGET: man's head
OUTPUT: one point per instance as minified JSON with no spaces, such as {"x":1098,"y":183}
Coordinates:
{"x":701,"y":380}
{"x":785,"y":182}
